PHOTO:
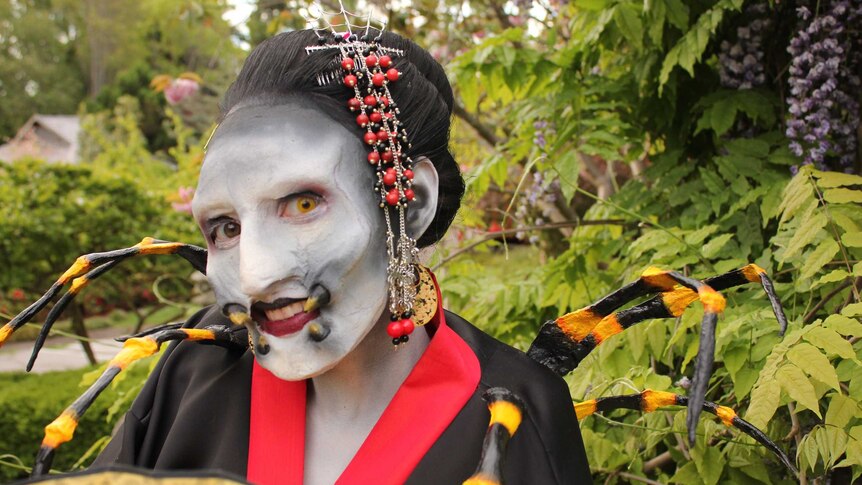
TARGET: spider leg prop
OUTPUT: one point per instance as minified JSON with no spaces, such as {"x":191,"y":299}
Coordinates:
{"x":649,"y":401}
{"x":87,"y":268}
{"x":562,"y":344}
{"x":77,"y":285}
{"x":507,"y":411}
{"x":137,"y":347}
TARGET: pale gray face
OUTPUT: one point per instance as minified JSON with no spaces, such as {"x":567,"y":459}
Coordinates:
{"x":286,"y":203}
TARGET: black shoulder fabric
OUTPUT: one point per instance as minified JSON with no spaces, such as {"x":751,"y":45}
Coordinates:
{"x":192,"y":413}
{"x":547,"y":449}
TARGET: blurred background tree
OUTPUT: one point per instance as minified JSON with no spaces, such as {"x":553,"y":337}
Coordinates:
{"x":598,"y":137}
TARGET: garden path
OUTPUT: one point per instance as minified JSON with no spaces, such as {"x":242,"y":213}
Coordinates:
{"x":60,"y":353}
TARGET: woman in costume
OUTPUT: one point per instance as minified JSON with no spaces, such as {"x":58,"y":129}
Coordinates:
{"x":328,"y":171}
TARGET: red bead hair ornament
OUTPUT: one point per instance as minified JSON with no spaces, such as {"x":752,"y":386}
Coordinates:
{"x":367,"y":68}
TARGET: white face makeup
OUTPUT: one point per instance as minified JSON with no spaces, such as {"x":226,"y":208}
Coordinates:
{"x":285,"y":202}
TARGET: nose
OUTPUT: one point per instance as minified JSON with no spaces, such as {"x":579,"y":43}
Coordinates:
{"x":264,"y":260}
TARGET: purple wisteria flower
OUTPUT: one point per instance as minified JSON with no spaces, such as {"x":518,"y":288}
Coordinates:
{"x":823,"y":106}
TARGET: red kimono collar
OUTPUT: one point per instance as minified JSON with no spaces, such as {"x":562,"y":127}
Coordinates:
{"x":434,"y":392}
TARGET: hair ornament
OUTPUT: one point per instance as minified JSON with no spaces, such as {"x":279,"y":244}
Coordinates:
{"x":366,"y":69}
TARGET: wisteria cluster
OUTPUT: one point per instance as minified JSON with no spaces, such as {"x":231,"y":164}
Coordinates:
{"x":741,"y":62}
{"x":535,"y":203}
{"x":542,"y":130}
{"x":823,"y":106}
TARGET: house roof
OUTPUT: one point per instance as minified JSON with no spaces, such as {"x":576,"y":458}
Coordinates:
{"x":53,"y":138}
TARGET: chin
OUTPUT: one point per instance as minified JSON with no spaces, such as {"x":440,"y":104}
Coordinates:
{"x":298,"y":357}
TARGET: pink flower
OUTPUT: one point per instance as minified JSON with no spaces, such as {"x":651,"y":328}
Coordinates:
{"x":180,"y":89}
{"x":183,"y":200}
{"x":516,"y":20}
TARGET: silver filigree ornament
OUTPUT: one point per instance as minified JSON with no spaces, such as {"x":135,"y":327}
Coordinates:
{"x":366,"y":67}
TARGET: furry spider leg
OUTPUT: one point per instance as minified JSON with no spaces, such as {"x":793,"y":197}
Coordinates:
{"x":88,"y":267}
{"x":562,"y":352}
{"x":649,"y":401}
{"x":507,"y":412}
{"x":134,"y":348}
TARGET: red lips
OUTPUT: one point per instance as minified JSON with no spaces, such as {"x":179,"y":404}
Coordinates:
{"x":293,"y":324}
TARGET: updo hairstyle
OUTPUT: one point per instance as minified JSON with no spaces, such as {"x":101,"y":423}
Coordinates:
{"x":279,"y":68}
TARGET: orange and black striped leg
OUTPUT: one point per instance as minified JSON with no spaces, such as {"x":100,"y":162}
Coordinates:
{"x":77,"y":285}
{"x":63,"y":428}
{"x":751,"y":273}
{"x":507,"y":412}
{"x":90,"y":266}
{"x":557,"y":344}
{"x":649,"y":401}
{"x":563,"y":348}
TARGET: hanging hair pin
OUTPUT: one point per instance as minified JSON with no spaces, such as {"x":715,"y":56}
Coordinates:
{"x":366,"y":69}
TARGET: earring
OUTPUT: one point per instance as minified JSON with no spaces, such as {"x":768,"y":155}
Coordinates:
{"x":425,"y":304}
{"x":420,"y":312}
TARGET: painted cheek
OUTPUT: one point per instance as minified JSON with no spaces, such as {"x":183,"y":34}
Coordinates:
{"x":223,"y":277}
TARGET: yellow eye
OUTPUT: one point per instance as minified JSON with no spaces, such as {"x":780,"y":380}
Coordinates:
{"x":305,"y":204}
{"x":298,"y":205}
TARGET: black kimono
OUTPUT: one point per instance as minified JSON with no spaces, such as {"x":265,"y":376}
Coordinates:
{"x":194,"y":413}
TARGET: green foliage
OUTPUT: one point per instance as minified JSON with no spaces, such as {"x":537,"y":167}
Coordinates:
{"x":31,"y":401}
{"x":38,"y":69}
{"x":717,"y":193}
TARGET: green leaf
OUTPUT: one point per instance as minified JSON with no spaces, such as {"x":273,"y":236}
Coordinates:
{"x":841,"y":410}
{"x":689,"y":49}
{"x":831,"y":442}
{"x":797,"y":194}
{"x":854,"y":457}
{"x":715,"y":245}
{"x":593,"y":5}
{"x":710,"y":463}
{"x":814,"y":363}
{"x":722,"y":117}
{"x":843,"y":324}
{"x":686,"y":474}
{"x":698,"y":235}
{"x":852,"y":239}
{"x":734,"y":359}
{"x":764,"y":401}
{"x":628,"y":20}
{"x":719,"y":117}
{"x":833,"y":276}
{"x":804,"y":235}
{"x":567,"y":167}
{"x":748,"y":147}
{"x":842,"y":196}
{"x":677,"y":13}
{"x":807,"y":452}
{"x":830,"y":341}
{"x":818,"y":258}
{"x":852,"y":310}
{"x":836,"y":179}
{"x":798,"y":387}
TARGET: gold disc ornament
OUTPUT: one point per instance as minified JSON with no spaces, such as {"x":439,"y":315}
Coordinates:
{"x":425,"y":304}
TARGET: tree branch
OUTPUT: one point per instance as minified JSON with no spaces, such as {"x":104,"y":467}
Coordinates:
{"x":631,"y":476}
{"x":658,"y":461}
{"x":544,"y":227}
{"x":485,"y":132}
{"x":813,"y":313}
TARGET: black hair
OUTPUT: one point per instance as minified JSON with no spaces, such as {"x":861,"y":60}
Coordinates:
{"x":280,"y":68}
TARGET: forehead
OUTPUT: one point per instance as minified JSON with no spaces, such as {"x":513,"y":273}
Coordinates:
{"x":258,"y":146}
